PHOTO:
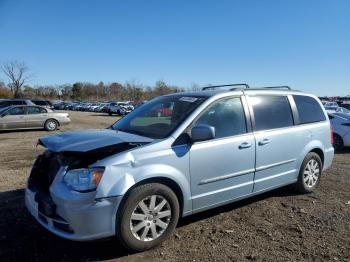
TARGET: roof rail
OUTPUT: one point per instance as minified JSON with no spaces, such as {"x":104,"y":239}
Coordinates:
{"x":213,"y":87}
{"x":277,"y":87}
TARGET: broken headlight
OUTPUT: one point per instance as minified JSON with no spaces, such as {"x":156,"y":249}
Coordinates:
{"x":84,"y":179}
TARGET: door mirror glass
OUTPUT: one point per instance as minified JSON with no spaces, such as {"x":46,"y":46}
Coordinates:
{"x":201,"y":132}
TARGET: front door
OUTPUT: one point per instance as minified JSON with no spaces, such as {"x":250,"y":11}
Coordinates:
{"x":36,"y":116}
{"x":222,"y":169}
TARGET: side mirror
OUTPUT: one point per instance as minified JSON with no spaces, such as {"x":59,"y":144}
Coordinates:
{"x":202,"y":132}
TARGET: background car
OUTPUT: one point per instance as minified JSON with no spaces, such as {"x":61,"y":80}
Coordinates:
{"x":337,"y":109}
{"x":332,"y":104}
{"x":115,"y":108}
{"x":43,"y":103}
{"x":13,"y":102}
{"x":27,"y":117}
{"x":341,"y":126}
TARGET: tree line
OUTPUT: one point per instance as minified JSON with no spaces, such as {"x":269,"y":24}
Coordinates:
{"x":18,"y":75}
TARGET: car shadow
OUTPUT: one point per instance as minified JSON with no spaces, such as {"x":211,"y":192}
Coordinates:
{"x":280,"y":192}
{"x":345,"y":150}
{"x":22,"y":130}
{"x":22,"y":237}
{"x":104,"y":114}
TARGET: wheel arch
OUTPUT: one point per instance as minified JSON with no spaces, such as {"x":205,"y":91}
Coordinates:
{"x":161,"y":180}
{"x":319,"y":152}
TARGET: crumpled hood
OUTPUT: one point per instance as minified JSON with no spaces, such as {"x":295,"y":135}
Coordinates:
{"x":83,"y":141}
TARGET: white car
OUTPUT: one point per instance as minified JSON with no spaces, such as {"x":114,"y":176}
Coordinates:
{"x":331,"y":104}
{"x":337,"y":109}
{"x":341,"y":126}
{"x":115,"y":108}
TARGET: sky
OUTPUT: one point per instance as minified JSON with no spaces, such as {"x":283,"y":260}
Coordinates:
{"x":301,"y":43}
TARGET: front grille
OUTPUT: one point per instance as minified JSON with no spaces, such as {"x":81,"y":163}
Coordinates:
{"x":44,"y":171}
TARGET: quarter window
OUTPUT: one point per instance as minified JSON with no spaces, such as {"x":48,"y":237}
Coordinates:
{"x":227,"y":116}
{"x":271,"y":112}
{"x":309,"y":109}
{"x":35,"y":110}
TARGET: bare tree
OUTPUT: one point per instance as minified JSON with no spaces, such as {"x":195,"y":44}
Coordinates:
{"x":17,"y":72}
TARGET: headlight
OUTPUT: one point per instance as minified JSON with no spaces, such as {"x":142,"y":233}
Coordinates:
{"x":84,"y":179}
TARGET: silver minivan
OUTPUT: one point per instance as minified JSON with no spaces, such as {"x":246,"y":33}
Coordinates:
{"x":135,"y":179}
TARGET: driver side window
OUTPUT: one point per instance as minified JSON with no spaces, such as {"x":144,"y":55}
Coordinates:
{"x":227,"y":116}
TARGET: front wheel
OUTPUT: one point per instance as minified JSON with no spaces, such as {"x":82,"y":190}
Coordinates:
{"x":309,"y":174}
{"x":147,"y":217}
{"x":51,"y":125}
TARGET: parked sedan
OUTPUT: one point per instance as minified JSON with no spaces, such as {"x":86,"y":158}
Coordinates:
{"x":341,"y":126}
{"x":27,"y":117}
{"x":337,"y":109}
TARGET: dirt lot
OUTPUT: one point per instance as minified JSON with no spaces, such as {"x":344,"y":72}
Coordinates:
{"x":278,"y":225}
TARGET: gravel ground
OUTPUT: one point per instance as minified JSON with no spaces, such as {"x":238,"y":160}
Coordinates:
{"x":280,"y":225}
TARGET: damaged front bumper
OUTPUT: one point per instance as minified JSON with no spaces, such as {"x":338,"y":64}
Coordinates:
{"x":73,"y":215}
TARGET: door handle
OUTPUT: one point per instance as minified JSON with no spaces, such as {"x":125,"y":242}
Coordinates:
{"x":245,"y":145}
{"x":265,"y":141}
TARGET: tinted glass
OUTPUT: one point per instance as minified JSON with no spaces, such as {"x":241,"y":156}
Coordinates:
{"x":271,"y":112}
{"x":159,"y":117}
{"x":16,"y":111}
{"x":16,"y":103}
{"x":39,"y":102}
{"x":35,"y":110}
{"x":227,"y":116}
{"x":5,"y":104}
{"x":309,"y":109}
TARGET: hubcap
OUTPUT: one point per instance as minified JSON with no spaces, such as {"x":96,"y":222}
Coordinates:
{"x":311,"y":173}
{"x":150,"y":218}
{"x":51,"y":125}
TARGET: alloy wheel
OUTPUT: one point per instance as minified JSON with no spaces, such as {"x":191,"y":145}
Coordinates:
{"x":150,"y":218}
{"x":311,"y":173}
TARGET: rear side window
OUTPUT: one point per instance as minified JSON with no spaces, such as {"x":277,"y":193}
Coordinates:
{"x":16,"y":111}
{"x":309,"y":109}
{"x":39,"y":102}
{"x":271,"y":112}
{"x":16,"y":103}
{"x":5,"y":104}
{"x":35,"y":110}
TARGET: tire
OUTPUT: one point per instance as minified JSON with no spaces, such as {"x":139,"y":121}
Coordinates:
{"x":157,"y":228}
{"x":309,"y":174}
{"x":51,"y":125}
{"x":338,"y":142}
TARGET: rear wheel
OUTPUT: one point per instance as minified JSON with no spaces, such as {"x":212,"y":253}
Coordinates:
{"x":147,"y":217}
{"x":310,"y":173}
{"x":51,"y":125}
{"x":338,"y":142}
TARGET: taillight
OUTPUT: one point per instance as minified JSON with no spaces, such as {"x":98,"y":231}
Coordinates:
{"x":346,"y":124}
{"x":332,"y":135}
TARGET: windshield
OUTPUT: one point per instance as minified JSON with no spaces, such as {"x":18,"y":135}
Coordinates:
{"x":160,"y":117}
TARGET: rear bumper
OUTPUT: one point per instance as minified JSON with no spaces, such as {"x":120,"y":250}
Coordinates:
{"x":346,"y":139}
{"x":328,"y":158}
{"x":64,"y":122}
{"x":77,"y":218}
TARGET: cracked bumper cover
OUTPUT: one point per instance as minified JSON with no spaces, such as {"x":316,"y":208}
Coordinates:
{"x":85,"y":217}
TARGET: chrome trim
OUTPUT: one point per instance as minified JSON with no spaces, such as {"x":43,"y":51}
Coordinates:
{"x":215,"y":179}
{"x":274,"y":176}
{"x":274,"y":165}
